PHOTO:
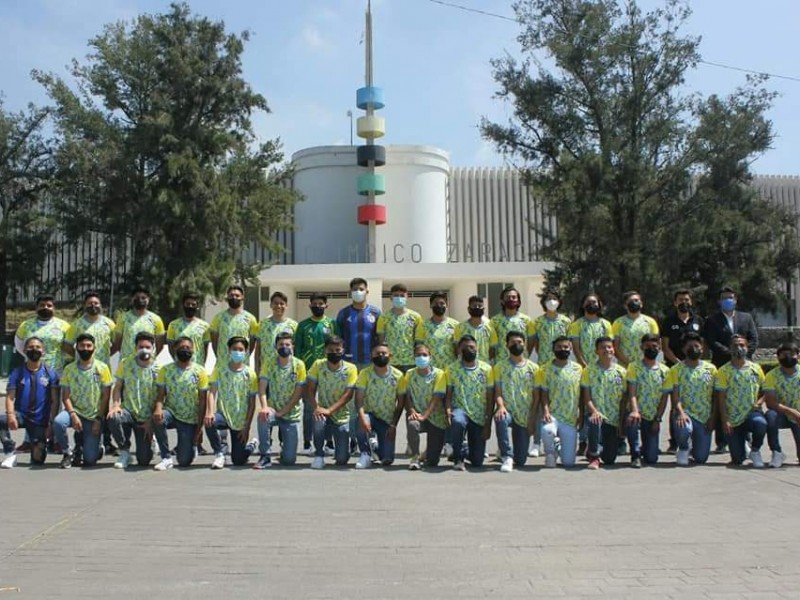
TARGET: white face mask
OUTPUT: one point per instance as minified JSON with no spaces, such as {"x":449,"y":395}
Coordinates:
{"x":551,"y":304}
{"x":358,"y":295}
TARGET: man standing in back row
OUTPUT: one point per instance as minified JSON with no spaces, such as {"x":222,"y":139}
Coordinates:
{"x":358,"y":325}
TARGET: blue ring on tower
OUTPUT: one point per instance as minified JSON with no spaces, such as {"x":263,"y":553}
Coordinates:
{"x":369,"y":97}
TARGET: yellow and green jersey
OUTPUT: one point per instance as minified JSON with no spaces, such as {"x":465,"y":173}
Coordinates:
{"x":628,"y":333}
{"x":129,"y":324}
{"x":225,"y":326}
{"x":236,"y":389}
{"x":648,"y":385}
{"x":52,"y":334}
{"x":584,"y":332}
{"x":139,"y":387}
{"x":501,"y":325}
{"x":515,"y":382}
{"x":607,"y":388}
{"x":439,"y":337}
{"x":695,"y":388}
{"x":421,"y":390}
{"x":741,"y":387}
{"x":86,"y":387}
{"x":268,"y":330}
{"x":282,"y":381}
{"x":197,"y":331}
{"x":483,"y":335}
{"x":786,"y":387}
{"x":380,"y":391}
{"x":545,"y":330}
{"x":102,"y":330}
{"x":398,"y":332}
{"x":331,"y":385}
{"x":182,"y":387}
{"x":563,"y":387}
{"x":469,"y":386}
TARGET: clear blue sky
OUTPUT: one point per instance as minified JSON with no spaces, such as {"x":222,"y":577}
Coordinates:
{"x":432,"y":61}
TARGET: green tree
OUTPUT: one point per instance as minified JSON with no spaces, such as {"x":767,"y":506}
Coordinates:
{"x":158,"y":151}
{"x":25,"y":171}
{"x":650,"y":184}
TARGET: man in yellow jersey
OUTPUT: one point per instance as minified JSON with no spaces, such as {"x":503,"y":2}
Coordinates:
{"x":191,"y":326}
{"x":782,"y":395}
{"x":269,"y":328}
{"x":137,"y":319}
{"x":559,"y":383}
{"x":48,"y":328}
{"x":629,"y":329}
{"x":233,"y":322}
{"x":479,"y":327}
{"x":509,"y":319}
{"x":438,"y":332}
{"x":397,"y":328}
{"x":94,"y":322}
{"x":547,"y":327}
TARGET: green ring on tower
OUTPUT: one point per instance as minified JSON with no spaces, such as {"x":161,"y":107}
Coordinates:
{"x":371,"y":183}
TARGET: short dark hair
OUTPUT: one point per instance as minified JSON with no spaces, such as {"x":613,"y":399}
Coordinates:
{"x":682,"y":293}
{"x":379,"y":345}
{"x":191,"y":296}
{"x":144,"y":335}
{"x":91,"y":294}
{"x":35,"y":338}
{"x":418,"y":345}
{"x":784,"y":347}
{"x":546,"y":295}
{"x":561,"y":338}
{"x":475,"y":298}
{"x":726,"y":290}
{"x":238,"y":339}
{"x":182,"y":339}
{"x":507,"y":289}
{"x":140,"y":289}
{"x":630,"y":293}
{"x":284,"y":335}
{"x":398,"y":287}
{"x":437,"y":295}
{"x":467,"y":338}
{"x":602,"y":340}
{"x":280,"y":295}
{"x":318,"y":296}
{"x":691,"y":336}
{"x":585,"y":297}
{"x":650,"y":337}
{"x":334,"y":340}
{"x":514,"y":334}
{"x":358,"y":281}
{"x":45,"y":298}
{"x":84,"y":337}
{"x":235,"y":286}
{"x":738,"y":336}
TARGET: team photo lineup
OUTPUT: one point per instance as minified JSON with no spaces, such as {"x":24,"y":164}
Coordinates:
{"x":336,"y":388}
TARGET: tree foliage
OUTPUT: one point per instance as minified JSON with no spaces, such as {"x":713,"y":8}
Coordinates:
{"x":158,"y":151}
{"x":650,"y":183}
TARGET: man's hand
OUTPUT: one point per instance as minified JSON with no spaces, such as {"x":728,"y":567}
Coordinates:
{"x":634,"y":419}
{"x":500,"y":413}
{"x":265,"y":413}
{"x":198,"y":436}
{"x":791,"y":413}
{"x":321,"y":413}
{"x":243,"y":436}
{"x":77,"y":424}
{"x":449,"y":415}
{"x":158,"y":416}
{"x":709,"y":425}
{"x":546,"y":416}
{"x":683,"y":419}
{"x":113,"y":410}
{"x":208,"y":420}
{"x":12,"y":422}
{"x":414,"y":416}
{"x":364,"y":423}
{"x":596,"y":418}
{"x":728,"y":428}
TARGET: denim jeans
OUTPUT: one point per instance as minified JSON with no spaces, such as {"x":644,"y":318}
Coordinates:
{"x":603,"y":442}
{"x":341,"y":437}
{"x":186,"y":436}
{"x":775,"y":422}
{"x":435,"y":441}
{"x":517,"y":445}
{"x":695,"y":431}
{"x":308,"y":424}
{"x":89,"y":442}
{"x":648,"y":449}
{"x":755,"y":424}
{"x":567,"y":434}
{"x":460,"y":424}
{"x":121,"y":425}
{"x":34,"y":433}
{"x":288,"y":433}
{"x":239,"y":451}
{"x":385,"y":446}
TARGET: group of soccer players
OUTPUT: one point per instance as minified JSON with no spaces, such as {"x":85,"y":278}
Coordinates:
{"x":346,"y":382}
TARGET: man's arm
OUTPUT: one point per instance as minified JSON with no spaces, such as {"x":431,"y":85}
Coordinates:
{"x":344,"y":399}
{"x":712,"y":337}
{"x":296,"y":396}
{"x":751,"y":334}
{"x":668,"y":353}
{"x":311,"y":394}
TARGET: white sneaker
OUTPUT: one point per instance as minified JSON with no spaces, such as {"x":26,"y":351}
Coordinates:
{"x":166,"y":463}
{"x":459,"y":466}
{"x":329,"y":451}
{"x":777,"y":460}
{"x":550,"y":461}
{"x":755,"y":458}
{"x":414,"y":464}
{"x":447,"y":450}
{"x":508,"y":465}
{"x":533,"y":449}
{"x":9,"y":461}
{"x":123,"y":460}
{"x":307,"y":451}
{"x":252,"y":445}
{"x":318,"y":462}
{"x":682,"y":458}
{"x":219,"y":462}
{"x":364,"y":461}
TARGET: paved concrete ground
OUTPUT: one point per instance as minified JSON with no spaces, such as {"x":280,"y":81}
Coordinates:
{"x":705,"y":532}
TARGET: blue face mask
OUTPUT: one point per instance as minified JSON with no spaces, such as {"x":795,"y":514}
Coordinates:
{"x":728,"y":304}
{"x":422,"y":361}
{"x":399,"y":301}
{"x":238,"y":356}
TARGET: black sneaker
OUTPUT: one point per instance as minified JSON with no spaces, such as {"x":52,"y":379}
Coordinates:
{"x":636,"y":463}
{"x":721,"y":449}
{"x":77,"y":459}
{"x":66,"y":462}
{"x":672,"y":448}
{"x":201,"y":451}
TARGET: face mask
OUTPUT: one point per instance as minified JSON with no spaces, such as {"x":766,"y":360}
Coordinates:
{"x":684,"y":307}
{"x":380,"y":361}
{"x":140,"y":303}
{"x":739,"y":352}
{"x":284,"y":351}
{"x":399,"y":301}
{"x":694,"y":353}
{"x":469,"y":355}
{"x":85,"y":354}
{"x":422,"y":361}
{"x":144,"y":355}
{"x":335,"y":357}
{"x":475,"y":312}
{"x":45,"y":314}
{"x":92,"y":310}
{"x":551,"y":305}
{"x":317,"y":311}
{"x":439,"y":310}
{"x":358,"y":296}
{"x":184,"y":355}
{"x":511,"y":304}
{"x":238,"y":356}
{"x":189,"y":311}
{"x":651,"y":353}
{"x":516,"y":349}
{"x":592,"y":309}
{"x":561,"y":354}
{"x":634,"y":306}
{"x":34,"y":355}
{"x":234,"y":302}
{"x":786,"y":361}
{"x":728,"y":304}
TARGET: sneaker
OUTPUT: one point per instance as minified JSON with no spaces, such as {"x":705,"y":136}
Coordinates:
{"x":77,"y":459}
{"x":265,"y":462}
{"x":776,"y":462}
{"x":550,"y":461}
{"x":508,"y":465}
{"x":9,"y":461}
{"x":165,"y":464}
{"x":682,"y":458}
{"x":219,"y":462}
{"x":24,"y":447}
{"x":721,"y":449}
{"x":329,"y":451}
{"x":622,"y":448}
{"x":672,"y":448}
{"x":109,"y":450}
{"x":66,"y":462}
{"x":459,"y":466}
{"x":755,"y":458}
{"x":594,"y":463}
{"x":123,"y":460}
{"x":318,"y":462}
{"x":252,"y":445}
{"x":201,"y":451}
{"x":747,"y":448}
{"x":307,"y":451}
{"x":354,"y":451}
{"x":414,"y":464}
{"x":636,"y":463}
{"x":364,"y":461}
{"x":447,"y":450}
{"x":533,"y":450}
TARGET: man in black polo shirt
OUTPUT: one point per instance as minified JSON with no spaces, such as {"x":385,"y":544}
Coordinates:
{"x":673,"y":328}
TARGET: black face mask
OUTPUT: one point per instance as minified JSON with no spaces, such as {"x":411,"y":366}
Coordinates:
{"x":561,"y":354}
{"x":45,"y":314}
{"x":140,"y":304}
{"x":516,"y":349}
{"x":92,"y":310}
{"x":380,"y":361}
{"x":694,"y":353}
{"x":190,"y":311}
{"x":334,"y":357}
{"x":634,"y":306}
{"x":592,"y":309}
{"x":439,"y":310}
{"x":786,"y":361}
{"x":684,"y":307}
{"x":469,"y":355}
{"x":234,"y":302}
{"x":475,"y":312}
{"x":184,"y":355}
{"x":651,"y":353}
{"x":36,"y":355}
{"x":317,"y":311}
{"x":85,"y":354}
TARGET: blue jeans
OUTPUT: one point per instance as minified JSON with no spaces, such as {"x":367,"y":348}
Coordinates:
{"x":567,"y":434}
{"x":435,"y":440}
{"x":648,"y":449}
{"x":34,"y":433}
{"x":186,"y":436}
{"x":756,"y":424}
{"x":460,"y":424}
{"x":519,"y":439}
{"x":90,"y":443}
{"x":341,"y":439}
{"x":385,"y":446}
{"x":603,"y":442}
{"x":239,"y":451}
{"x":775,"y":422}
{"x":701,"y":439}
{"x":308,"y":424}
{"x":121,"y":425}
{"x":288,"y":433}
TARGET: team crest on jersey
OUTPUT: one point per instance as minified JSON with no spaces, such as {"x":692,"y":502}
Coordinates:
{"x":482,"y":378}
{"x":370,"y":317}
{"x":695,"y":326}
{"x":617,"y":379}
{"x":707,"y":377}
{"x":44,"y":380}
{"x":293,"y":376}
{"x":326,"y":330}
